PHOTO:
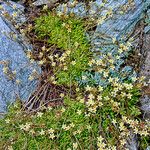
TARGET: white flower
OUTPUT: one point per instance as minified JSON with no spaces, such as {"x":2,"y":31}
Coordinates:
{"x":5,"y":70}
{"x":64,"y":24}
{"x":7,"y":120}
{"x":64,"y":126}
{"x":27,"y":126}
{"x":89,"y":127}
{"x":32,"y":131}
{"x":90,"y":102}
{"x":41,"y":62}
{"x":99,"y":97}
{"x":39,"y":114}
{"x":114,"y":121}
{"x":123,"y":142}
{"x":21,"y":127}
{"x":52,"y":136}
{"x":14,"y":6}
{"x":79,"y":112}
{"x":45,"y":7}
{"x":53,"y":64}
{"x":14,"y":15}
{"x":31,"y":78}
{"x":10,"y":148}
{"x":100,"y":21}
{"x":73,"y":62}
{"x":50,"y":130}
{"x":84,"y":77}
{"x":100,"y":138}
{"x":18,"y":81}
{"x":113,"y":40}
{"x":117,"y":57}
{"x":63,"y":110}
{"x":42,"y":132}
{"x":75,"y":145}
{"x":72,"y":125}
{"x":129,"y":96}
{"x":62,"y":95}
{"x":120,"y":50}
{"x":91,"y":96}
{"x":110,"y":80}
{"x":50,"y":108}
{"x":134,"y":79}
{"x":88,"y":88}
{"x":100,"y":88}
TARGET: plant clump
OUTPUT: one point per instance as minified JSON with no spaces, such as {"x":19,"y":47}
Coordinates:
{"x":72,"y":49}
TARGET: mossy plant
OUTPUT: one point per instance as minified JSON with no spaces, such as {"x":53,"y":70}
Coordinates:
{"x":52,"y":129}
{"x":74,"y":125}
{"x":69,"y":36}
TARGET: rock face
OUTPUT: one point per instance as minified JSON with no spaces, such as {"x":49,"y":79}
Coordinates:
{"x":43,"y":2}
{"x":145,"y":71}
{"x":15,"y":67}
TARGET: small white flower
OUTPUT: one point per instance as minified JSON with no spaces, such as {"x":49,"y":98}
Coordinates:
{"x":18,"y":81}
{"x":99,"y":97}
{"x":64,"y":24}
{"x":52,"y":136}
{"x":73,"y":63}
{"x":75,"y":145}
{"x":50,"y":130}
{"x":7,"y":120}
{"x":62,"y":95}
{"x":31,"y":78}
{"x":84,"y":77}
{"x":10,"y":148}
{"x":14,"y":6}
{"x":42,"y":132}
{"x":39,"y":114}
{"x":88,"y":88}
{"x":5,"y":70}
{"x":45,"y":7}
{"x":64,"y":126}
{"x":63,"y":110}
{"x":79,"y":112}
{"x":100,"y":88}
{"x":91,"y":96}
{"x":72,"y":125}
{"x":114,"y":121}
{"x":14,"y":15}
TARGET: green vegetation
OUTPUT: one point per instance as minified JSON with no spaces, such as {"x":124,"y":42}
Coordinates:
{"x":104,"y":122}
{"x":69,"y":36}
{"x":95,"y":117}
{"x":59,"y":128}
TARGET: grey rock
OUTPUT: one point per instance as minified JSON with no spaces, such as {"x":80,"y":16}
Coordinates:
{"x":12,"y":55}
{"x":11,"y":7}
{"x":132,"y":143}
{"x":145,"y":71}
{"x":44,"y":2}
{"x":148,"y":148}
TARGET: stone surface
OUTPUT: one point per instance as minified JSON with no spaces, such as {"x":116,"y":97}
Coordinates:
{"x":12,"y":55}
{"x":145,"y":71}
{"x":43,"y":2}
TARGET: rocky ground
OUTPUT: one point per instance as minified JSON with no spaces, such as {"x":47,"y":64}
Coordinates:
{"x":15,"y":67}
